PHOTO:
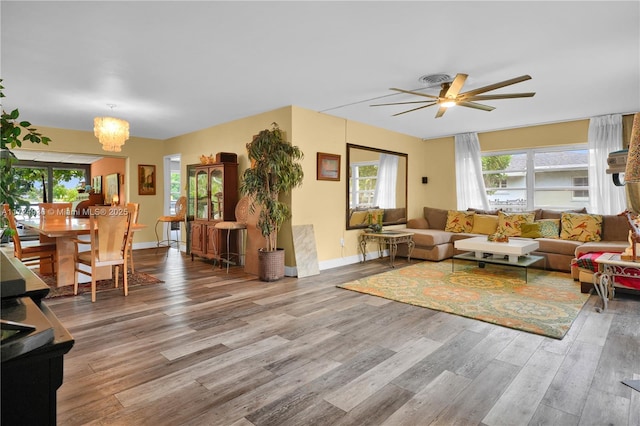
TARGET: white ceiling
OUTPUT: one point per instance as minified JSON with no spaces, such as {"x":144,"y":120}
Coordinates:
{"x":173,"y":67}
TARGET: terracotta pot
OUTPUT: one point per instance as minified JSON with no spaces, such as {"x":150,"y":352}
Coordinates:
{"x":271,"y":264}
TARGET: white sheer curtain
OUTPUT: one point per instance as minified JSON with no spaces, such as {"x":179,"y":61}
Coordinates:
{"x":605,"y":136}
{"x":469,"y":182}
{"x":385,"y":193}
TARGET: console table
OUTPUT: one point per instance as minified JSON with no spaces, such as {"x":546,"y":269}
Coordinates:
{"x":610,"y":265}
{"x":389,"y":238}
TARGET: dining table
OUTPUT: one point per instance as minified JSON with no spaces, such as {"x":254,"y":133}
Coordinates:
{"x":63,"y":231}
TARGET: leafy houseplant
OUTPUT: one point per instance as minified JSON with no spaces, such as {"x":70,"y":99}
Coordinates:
{"x":14,"y":133}
{"x":274,"y":170}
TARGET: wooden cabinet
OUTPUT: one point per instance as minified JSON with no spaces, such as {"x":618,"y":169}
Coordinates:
{"x":214,"y":200}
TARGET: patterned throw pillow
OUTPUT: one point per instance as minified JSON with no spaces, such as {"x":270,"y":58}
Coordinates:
{"x":459,"y":221}
{"x":358,"y":217}
{"x":509,"y":223}
{"x":543,"y":228}
{"x":581,"y":227}
{"x":549,"y":228}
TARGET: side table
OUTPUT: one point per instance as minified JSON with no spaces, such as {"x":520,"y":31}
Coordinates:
{"x":389,"y":238}
{"x":610,"y":266}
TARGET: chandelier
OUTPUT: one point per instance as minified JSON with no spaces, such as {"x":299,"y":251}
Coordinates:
{"x":111,"y":132}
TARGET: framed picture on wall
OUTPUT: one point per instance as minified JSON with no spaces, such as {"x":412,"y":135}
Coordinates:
{"x":146,"y":179}
{"x":112,"y":187}
{"x":96,"y":184}
{"x":328,"y":166}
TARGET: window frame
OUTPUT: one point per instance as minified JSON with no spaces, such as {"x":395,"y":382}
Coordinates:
{"x":530,"y":172}
{"x":50,"y":166}
{"x":355,"y":191}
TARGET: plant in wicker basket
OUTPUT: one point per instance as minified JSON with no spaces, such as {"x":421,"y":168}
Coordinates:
{"x":274,"y":170}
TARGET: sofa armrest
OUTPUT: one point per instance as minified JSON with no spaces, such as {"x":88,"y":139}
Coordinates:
{"x":418,"y":223}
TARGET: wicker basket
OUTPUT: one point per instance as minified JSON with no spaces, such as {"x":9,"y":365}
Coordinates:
{"x":271,"y":265}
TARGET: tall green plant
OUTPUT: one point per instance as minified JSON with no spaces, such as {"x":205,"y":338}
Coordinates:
{"x":274,"y":170}
{"x":14,"y":133}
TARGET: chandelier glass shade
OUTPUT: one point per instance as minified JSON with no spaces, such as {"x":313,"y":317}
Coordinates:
{"x":111,"y":132}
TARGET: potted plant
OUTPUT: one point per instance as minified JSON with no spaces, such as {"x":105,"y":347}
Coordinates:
{"x":274,"y":170}
{"x":13,"y":136}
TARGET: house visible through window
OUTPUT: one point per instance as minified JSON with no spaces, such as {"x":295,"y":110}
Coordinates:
{"x":548,"y":178}
{"x":581,"y":193}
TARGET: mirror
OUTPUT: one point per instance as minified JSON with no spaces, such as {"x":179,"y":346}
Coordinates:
{"x":376,"y":187}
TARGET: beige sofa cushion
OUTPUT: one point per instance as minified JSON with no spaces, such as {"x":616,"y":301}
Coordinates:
{"x":430,"y":237}
{"x":437,"y":218}
{"x":615,"y":228}
{"x":418,"y":223}
{"x":555,"y":245}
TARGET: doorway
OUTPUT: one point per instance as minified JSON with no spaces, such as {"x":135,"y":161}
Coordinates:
{"x":172,"y":189}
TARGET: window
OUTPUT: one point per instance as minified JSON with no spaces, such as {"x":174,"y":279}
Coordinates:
{"x":581,"y":193}
{"x":53,"y":182}
{"x":550,"y":178}
{"x":362,"y":184}
{"x":174,"y":184}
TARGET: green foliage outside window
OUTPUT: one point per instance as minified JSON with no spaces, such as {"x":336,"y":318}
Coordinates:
{"x":492,"y":164}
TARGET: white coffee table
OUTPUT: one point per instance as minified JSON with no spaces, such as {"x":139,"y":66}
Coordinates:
{"x":513,"y":248}
{"x":512,"y":253}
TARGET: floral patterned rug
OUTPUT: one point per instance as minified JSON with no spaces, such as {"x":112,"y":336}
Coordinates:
{"x":133,"y":280}
{"x":547,"y":304}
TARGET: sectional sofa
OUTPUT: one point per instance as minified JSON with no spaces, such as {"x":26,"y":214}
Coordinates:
{"x":434,"y":236}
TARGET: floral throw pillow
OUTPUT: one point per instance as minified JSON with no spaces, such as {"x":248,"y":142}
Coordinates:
{"x":459,"y":221}
{"x":581,"y":227}
{"x":509,"y":224}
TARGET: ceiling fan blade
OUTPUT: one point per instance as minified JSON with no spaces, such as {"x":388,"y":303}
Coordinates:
{"x":496,"y":85}
{"x":492,"y":97}
{"x":402,"y":103}
{"x":414,"y":93}
{"x":414,"y":109}
{"x":441,"y":111}
{"x":476,"y":106}
{"x":456,"y":86}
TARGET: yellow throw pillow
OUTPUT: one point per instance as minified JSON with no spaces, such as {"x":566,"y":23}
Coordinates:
{"x":459,"y":221}
{"x":358,"y":217}
{"x":485,"y":224}
{"x":509,"y":224}
{"x":530,"y":230}
{"x":581,"y":227}
{"x":374,"y":216}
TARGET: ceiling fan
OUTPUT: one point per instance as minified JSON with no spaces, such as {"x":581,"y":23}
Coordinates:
{"x":450,"y":95}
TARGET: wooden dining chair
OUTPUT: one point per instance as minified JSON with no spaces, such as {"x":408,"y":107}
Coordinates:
{"x":109,"y":235}
{"x":55,"y":211}
{"x":29,"y":253}
{"x":133,"y":209}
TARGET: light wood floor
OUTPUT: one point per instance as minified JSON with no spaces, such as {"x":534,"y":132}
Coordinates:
{"x":207,"y":348}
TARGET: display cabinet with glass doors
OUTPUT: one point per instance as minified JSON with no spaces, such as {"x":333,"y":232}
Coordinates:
{"x":215,"y":195}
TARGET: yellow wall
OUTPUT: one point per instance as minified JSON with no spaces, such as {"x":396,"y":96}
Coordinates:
{"x":135,"y":151}
{"x":323,"y":203}
{"x":320,"y":203}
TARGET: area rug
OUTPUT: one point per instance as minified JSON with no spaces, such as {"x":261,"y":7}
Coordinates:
{"x":547,"y":304}
{"x":134,"y":280}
